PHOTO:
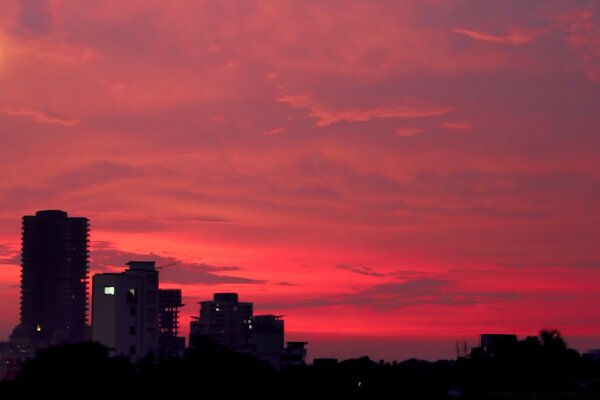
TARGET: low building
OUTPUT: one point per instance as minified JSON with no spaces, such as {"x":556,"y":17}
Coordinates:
{"x":12,"y":357}
{"x":495,"y":344}
{"x":294,"y":354}
{"x":268,"y":337}
{"x":169,"y":303}
{"x":125,"y":310}
{"x":226,"y":321}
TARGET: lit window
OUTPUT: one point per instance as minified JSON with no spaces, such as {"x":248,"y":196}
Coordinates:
{"x":131,"y":295}
{"x":38,"y":328}
{"x":109,"y":290}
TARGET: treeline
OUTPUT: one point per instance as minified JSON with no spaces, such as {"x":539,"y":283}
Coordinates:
{"x":537,"y":367}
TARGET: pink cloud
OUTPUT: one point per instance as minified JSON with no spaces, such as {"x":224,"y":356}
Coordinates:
{"x":459,"y":126}
{"x":584,"y":36}
{"x":274,"y":131}
{"x":327,"y":116}
{"x":40,"y":116}
{"x":408,"y":131}
{"x":515,"y":38}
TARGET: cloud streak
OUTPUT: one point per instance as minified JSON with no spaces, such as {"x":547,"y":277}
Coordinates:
{"x":40,"y":116}
{"x":8,"y":255}
{"x":359,"y":269}
{"x":515,"y":38}
{"x":106,"y":257}
{"x":328,"y":116}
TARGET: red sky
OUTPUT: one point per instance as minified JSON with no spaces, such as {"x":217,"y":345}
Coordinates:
{"x":392,"y":176}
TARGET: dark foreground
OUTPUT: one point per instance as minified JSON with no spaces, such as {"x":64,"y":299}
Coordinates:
{"x":536,"y":368}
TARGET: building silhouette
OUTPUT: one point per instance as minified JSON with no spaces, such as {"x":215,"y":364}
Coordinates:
{"x":294,"y":354}
{"x":226,"y":321}
{"x":125,"y":310}
{"x":169,"y":303}
{"x":53,"y":279}
{"x":493,"y":344}
{"x":268,"y":338}
{"x":231,"y":323}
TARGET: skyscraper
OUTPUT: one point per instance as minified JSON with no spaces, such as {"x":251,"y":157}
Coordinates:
{"x":53,"y":279}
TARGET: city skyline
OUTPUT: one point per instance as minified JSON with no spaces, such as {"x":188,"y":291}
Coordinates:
{"x":391,"y":176}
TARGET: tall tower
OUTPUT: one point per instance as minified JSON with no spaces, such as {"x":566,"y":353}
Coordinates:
{"x":53,"y":279}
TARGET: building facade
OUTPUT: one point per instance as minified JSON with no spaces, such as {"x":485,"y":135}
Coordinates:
{"x":169,"y":303}
{"x":294,"y":354}
{"x":268,"y":338}
{"x":53,"y":279}
{"x":125,"y":310}
{"x":226,"y":321}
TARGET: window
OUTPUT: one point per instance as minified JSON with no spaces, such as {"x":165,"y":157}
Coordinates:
{"x":109,"y":290}
{"x":132,"y":330}
{"x":131,"y":296}
{"x":131,"y":310}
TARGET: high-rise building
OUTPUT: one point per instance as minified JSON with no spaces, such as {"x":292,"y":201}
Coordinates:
{"x":169,"y":303}
{"x":268,"y":335}
{"x":226,"y":321}
{"x":125,"y":310}
{"x":53,"y":279}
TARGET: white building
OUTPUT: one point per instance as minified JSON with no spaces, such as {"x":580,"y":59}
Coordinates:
{"x":125,"y":310}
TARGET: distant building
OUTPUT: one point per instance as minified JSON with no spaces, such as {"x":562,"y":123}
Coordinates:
{"x":125,"y":310}
{"x":268,"y":335}
{"x":230,"y":323}
{"x":226,"y":321}
{"x":53,"y":279}
{"x":494,"y":344}
{"x":592,"y":355}
{"x":12,"y":357}
{"x":169,"y":303}
{"x":294,"y":354}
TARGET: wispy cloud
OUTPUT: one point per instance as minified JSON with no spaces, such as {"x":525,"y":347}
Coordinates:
{"x":9,"y":255}
{"x":459,"y":126}
{"x":408,"y":131}
{"x":591,"y":264}
{"x":274,"y":131}
{"x":327,"y":116}
{"x":515,"y":37}
{"x":359,"y":269}
{"x":106,"y":257}
{"x":410,"y":293}
{"x":40,"y":116}
{"x":584,"y":36}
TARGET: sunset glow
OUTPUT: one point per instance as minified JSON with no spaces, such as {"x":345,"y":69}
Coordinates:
{"x":401,"y":172}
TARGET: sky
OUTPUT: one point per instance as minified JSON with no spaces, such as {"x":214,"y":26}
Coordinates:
{"x":392,"y":176}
